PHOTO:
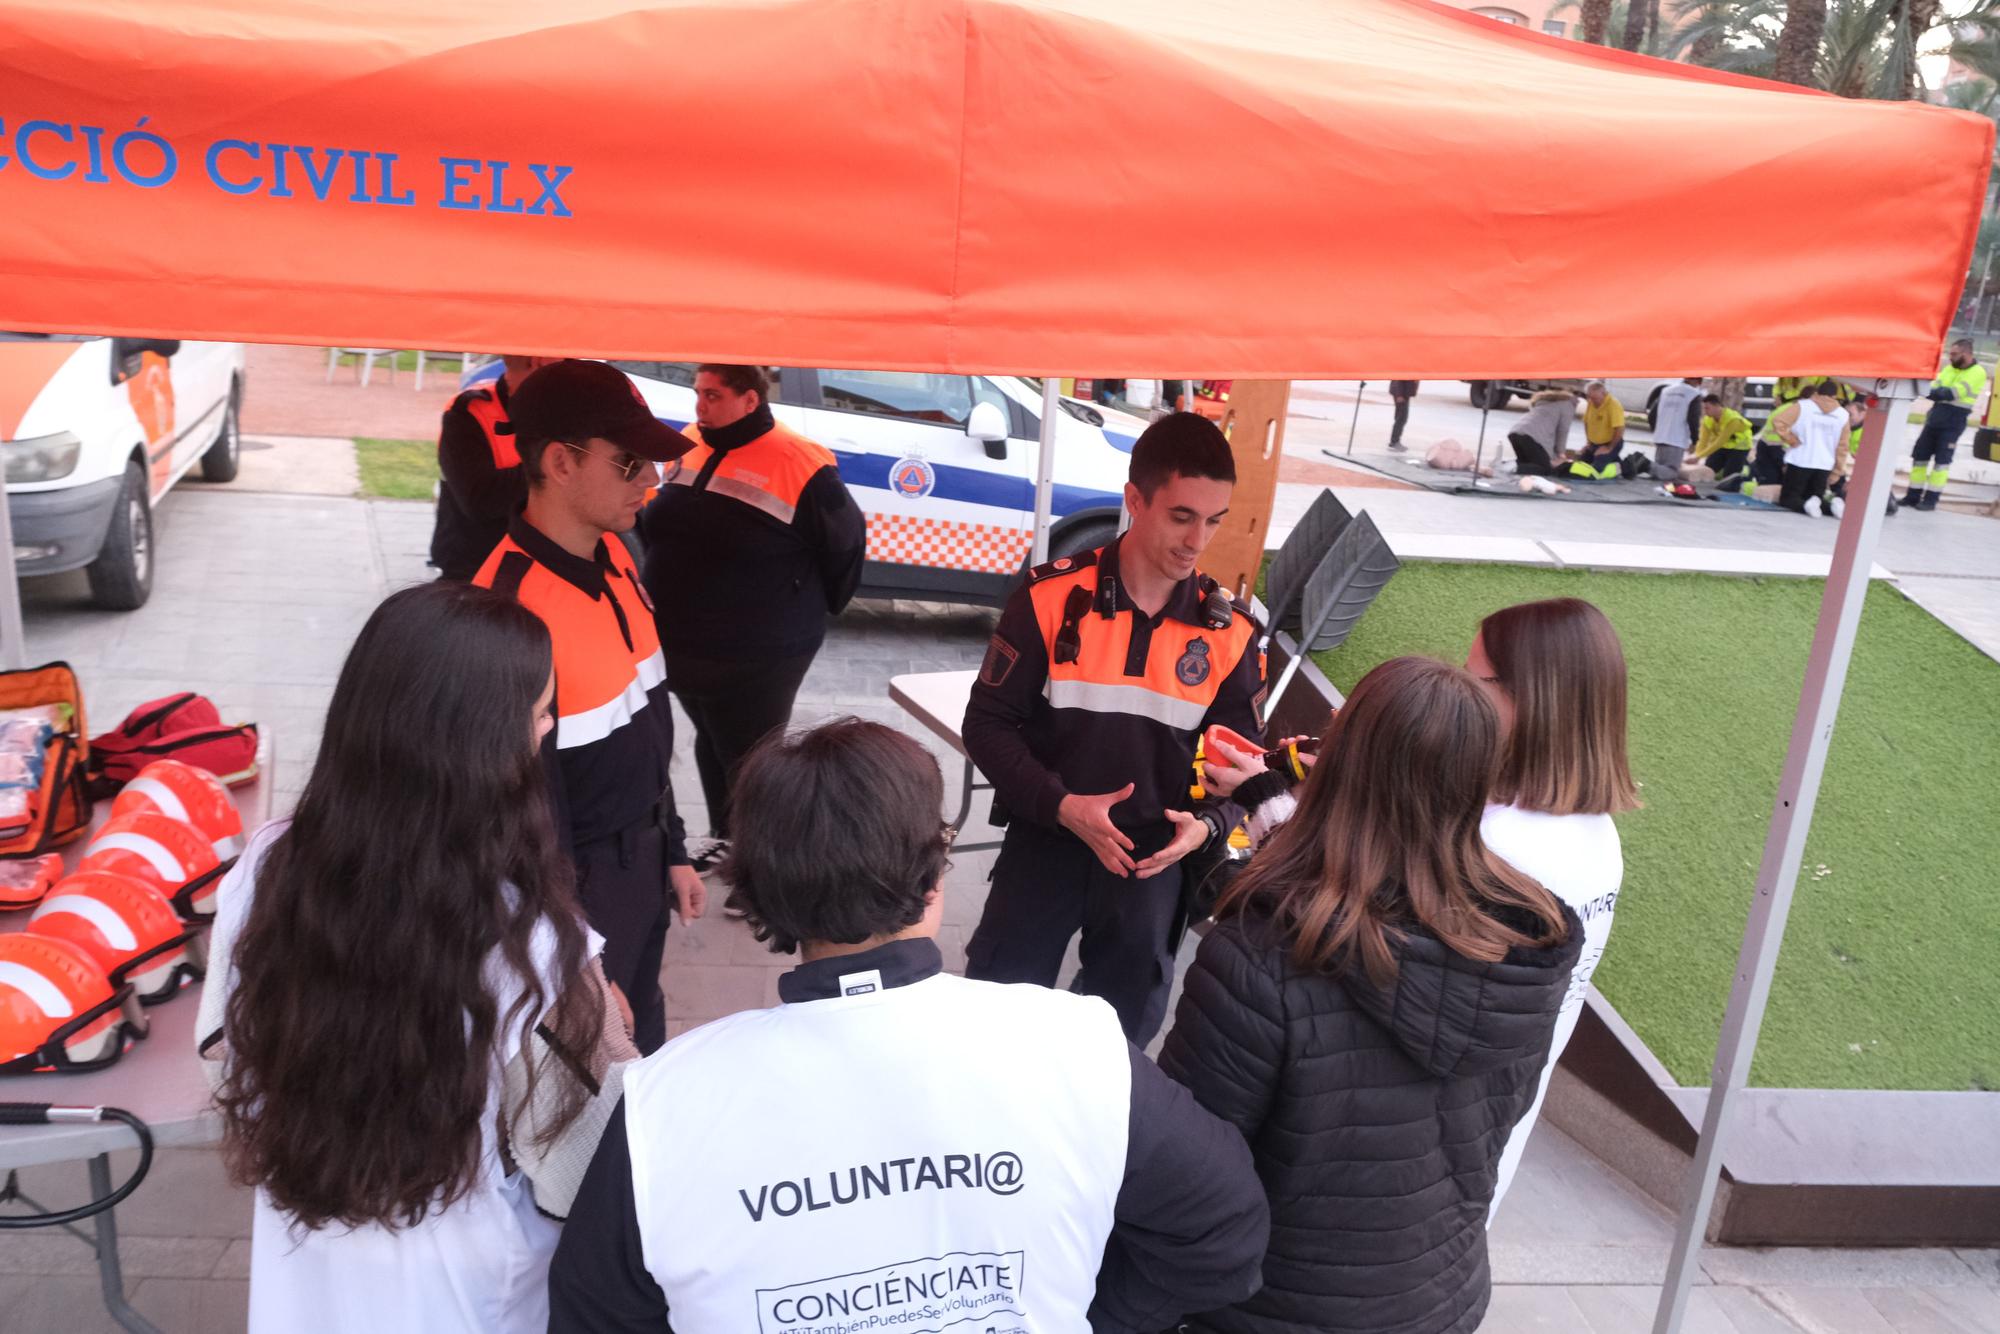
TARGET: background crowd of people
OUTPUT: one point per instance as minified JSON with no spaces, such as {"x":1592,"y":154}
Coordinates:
{"x":1799,"y":459}
{"x":432,"y":992}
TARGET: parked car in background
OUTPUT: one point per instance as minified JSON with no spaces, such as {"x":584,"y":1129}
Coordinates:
{"x":1637,"y":395}
{"x":943,"y":466}
{"x":95,"y":432}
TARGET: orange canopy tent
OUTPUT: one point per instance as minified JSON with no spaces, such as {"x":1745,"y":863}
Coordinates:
{"x":1278,"y":189}
{"x":1286,"y":189}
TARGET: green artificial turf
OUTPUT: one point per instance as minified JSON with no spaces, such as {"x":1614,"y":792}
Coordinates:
{"x":1888,"y":977}
{"x":435,"y":363}
{"x":397,"y":469}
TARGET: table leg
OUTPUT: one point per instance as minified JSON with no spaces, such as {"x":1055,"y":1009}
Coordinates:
{"x":108,"y":1271}
{"x":964,"y":800}
{"x":968,"y":786}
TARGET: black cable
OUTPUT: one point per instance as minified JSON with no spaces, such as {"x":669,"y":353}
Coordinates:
{"x":43,"y":1114}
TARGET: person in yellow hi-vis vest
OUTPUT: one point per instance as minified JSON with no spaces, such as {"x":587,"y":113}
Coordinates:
{"x":1953,"y":394}
{"x":1724,"y":442}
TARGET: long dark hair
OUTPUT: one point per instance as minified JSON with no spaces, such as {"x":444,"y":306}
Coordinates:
{"x":1561,"y":664}
{"x":1386,"y":835}
{"x":362,"y":1034}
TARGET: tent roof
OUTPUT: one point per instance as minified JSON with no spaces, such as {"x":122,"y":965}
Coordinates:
{"x":1284,"y":188}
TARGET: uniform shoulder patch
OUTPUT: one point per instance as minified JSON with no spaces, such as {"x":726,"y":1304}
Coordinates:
{"x":999,"y":662}
{"x":1083,"y":560}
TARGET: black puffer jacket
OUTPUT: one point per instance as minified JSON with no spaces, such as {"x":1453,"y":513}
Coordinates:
{"x":1376,"y":1119}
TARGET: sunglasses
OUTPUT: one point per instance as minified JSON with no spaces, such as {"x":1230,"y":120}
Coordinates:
{"x":626,"y":466}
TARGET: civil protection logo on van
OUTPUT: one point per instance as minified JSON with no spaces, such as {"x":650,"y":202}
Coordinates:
{"x":912,"y":478}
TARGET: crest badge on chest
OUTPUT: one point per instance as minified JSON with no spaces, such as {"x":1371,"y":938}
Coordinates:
{"x":1192,"y":667}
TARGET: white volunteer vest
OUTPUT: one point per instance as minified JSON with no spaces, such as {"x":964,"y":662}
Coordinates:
{"x":941,"y":1155}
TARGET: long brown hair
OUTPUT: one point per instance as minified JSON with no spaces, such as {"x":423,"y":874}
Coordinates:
{"x":1562,"y":666}
{"x":363,"y":1029}
{"x":1386,"y":835}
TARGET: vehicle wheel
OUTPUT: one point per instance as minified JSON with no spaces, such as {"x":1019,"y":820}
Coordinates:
{"x":219,"y":464}
{"x":1082,"y":537}
{"x":121,"y":578}
{"x":1476,"y":391}
{"x":1490,"y":394}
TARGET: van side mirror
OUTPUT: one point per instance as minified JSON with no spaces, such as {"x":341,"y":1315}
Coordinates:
{"x":988,"y":425}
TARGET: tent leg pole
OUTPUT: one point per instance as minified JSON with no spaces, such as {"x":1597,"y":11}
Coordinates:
{"x":1045,"y":469}
{"x":1360,"y":387}
{"x":13,"y":642}
{"x":1791,"y":818}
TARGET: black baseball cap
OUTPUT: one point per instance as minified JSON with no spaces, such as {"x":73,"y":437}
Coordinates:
{"x":575,"y":400}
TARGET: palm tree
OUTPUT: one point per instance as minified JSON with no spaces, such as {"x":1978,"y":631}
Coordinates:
{"x":1596,"y":20}
{"x":1863,"y":48}
{"x":1734,"y":35}
{"x":1635,"y":24}
{"x":1798,"y":43}
{"x":1920,"y":16}
{"x":1854,"y":59}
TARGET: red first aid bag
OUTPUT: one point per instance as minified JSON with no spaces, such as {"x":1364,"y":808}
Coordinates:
{"x":185,"y":727}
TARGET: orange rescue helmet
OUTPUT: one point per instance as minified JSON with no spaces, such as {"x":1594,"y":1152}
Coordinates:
{"x":127,"y":926}
{"x":58,"y":1011}
{"x":170,"y":855}
{"x":189,"y":794}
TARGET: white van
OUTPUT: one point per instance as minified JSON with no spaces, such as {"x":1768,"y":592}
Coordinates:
{"x":94,"y":431}
{"x":942,"y":465}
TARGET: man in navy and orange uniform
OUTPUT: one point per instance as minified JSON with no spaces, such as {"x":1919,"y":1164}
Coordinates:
{"x":751,"y":544}
{"x":1105,"y":669}
{"x":479,"y":470}
{"x":588,"y":448}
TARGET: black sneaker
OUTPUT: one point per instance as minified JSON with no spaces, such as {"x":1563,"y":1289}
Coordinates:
{"x":709,"y":854}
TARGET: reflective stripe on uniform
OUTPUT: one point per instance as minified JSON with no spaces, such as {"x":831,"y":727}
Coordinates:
{"x":1137,"y":701}
{"x":768,"y":474}
{"x":580,"y":729}
{"x":116,"y":931}
{"x":753,"y":496}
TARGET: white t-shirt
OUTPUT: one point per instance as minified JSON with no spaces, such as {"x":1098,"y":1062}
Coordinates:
{"x":479,"y":1266}
{"x":1819,"y":433}
{"x":1579,"y":860}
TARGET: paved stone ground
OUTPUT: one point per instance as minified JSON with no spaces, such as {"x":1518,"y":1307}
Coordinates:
{"x":287,"y":392}
{"x":257,"y":599}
